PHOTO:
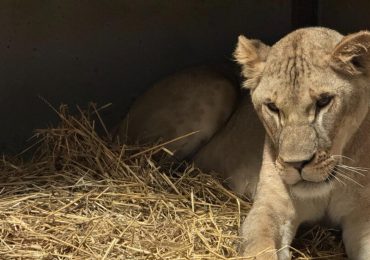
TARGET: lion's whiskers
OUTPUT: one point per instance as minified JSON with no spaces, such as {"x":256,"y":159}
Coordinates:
{"x":329,"y":172}
{"x":343,"y":171}
{"x":340,"y":174}
{"x":343,"y":156}
{"x":336,"y":178}
{"x":363,"y":169}
{"x":345,"y":168}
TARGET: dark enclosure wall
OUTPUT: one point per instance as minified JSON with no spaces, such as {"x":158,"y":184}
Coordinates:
{"x":344,"y":16}
{"x":76,"y":51}
{"x":110,"y":51}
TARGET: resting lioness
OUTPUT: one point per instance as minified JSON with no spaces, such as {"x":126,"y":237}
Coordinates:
{"x":311,"y":91}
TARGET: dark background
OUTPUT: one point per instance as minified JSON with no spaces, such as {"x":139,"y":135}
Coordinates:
{"x":73,"y":52}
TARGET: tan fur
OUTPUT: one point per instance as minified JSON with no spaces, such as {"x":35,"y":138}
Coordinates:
{"x":252,"y":53}
{"x":183,"y":103}
{"x":299,"y":69}
{"x":293,"y":74}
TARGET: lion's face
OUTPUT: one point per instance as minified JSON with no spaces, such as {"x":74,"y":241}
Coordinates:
{"x":311,"y":98}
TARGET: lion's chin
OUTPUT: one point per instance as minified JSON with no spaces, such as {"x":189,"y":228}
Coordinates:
{"x":307,"y":189}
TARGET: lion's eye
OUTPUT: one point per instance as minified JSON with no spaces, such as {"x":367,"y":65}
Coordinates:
{"x":272,"y":107}
{"x":324,"y":101}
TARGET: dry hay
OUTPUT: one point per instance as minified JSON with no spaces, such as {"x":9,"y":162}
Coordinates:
{"x":82,"y":197}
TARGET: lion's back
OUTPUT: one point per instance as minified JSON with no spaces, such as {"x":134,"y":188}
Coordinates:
{"x":197,"y":99}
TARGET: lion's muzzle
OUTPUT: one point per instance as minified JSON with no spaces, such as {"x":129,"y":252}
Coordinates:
{"x":297,"y":145}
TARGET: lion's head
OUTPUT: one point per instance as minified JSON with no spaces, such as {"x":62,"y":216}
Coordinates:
{"x":311,"y":91}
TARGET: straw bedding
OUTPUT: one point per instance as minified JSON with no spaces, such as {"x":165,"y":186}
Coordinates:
{"x":82,"y":196}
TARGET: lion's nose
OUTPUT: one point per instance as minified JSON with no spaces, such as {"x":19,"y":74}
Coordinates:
{"x":298,"y":165}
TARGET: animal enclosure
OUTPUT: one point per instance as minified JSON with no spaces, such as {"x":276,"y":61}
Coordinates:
{"x":70,"y":191}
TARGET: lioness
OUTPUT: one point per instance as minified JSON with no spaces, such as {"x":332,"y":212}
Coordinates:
{"x":311,"y":91}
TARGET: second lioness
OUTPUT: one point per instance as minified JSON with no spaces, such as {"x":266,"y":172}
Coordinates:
{"x":311,"y":92}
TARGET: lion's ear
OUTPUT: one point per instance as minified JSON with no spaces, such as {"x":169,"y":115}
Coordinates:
{"x":251,"y":55}
{"x":351,"y":56}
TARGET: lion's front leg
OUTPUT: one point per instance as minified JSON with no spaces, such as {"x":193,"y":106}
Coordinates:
{"x":260,"y":236}
{"x":269,"y":228}
{"x":271,"y":224}
{"x":356,"y":234}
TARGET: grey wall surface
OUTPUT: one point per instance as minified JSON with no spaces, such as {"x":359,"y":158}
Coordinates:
{"x":73,"y":52}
